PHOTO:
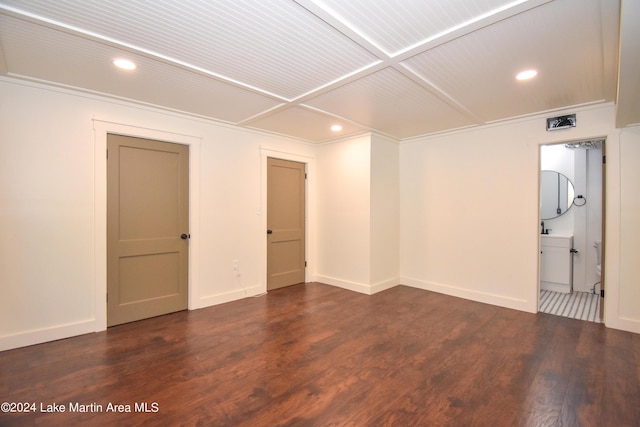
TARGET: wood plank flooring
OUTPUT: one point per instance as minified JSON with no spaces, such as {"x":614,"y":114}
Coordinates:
{"x":316,"y":355}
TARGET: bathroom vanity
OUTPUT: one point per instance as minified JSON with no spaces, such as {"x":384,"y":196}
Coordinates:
{"x":556,"y":264}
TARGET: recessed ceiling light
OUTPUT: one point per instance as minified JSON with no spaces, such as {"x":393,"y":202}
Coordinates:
{"x":526,"y":75}
{"x":124,"y":64}
{"x":336,"y":128}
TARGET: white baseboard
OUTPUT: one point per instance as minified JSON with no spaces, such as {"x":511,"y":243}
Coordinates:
{"x":229,"y":296}
{"x":624,"y":324}
{"x":384,"y":285}
{"x":344,"y":284}
{"x":52,"y":333}
{"x":88,"y":326}
{"x":487,"y":298}
{"x":358,"y":287}
{"x":58,"y":332}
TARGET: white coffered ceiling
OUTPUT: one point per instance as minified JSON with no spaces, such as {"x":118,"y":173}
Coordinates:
{"x":402,"y":68}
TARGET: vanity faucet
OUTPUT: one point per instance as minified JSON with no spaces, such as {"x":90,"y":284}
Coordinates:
{"x":544,"y":230}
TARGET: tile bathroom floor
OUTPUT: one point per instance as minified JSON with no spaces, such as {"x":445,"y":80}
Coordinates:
{"x":576,"y":305}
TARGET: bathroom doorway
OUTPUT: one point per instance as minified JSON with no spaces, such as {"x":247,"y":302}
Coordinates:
{"x":572,"y":229}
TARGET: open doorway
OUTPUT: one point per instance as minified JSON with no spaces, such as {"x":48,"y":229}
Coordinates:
{"x":571,"y":229}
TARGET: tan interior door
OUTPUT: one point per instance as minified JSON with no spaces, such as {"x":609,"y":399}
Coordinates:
{"x":285,"y":223}
{"x":147,"y":228}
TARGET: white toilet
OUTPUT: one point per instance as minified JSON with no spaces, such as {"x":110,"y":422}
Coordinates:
{"x":598,"y":244}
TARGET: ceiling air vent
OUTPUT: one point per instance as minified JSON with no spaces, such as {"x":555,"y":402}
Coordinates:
{"x":561,"y":122}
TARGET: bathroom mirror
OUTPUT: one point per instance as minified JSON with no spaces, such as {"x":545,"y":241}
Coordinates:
{"x":556,"y":194}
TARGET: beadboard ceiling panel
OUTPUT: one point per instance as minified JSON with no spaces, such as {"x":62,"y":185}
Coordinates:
{"x":45,"y":54}
{"x":482,"y":65}
{"x":404,"y":69}
{"x":396,"y":26}
{"x":274,"y":46}
{"x":306,"y":123}
{"x":387,"y":98}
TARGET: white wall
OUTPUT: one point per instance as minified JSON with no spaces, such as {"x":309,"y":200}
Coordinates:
{"x":587,"y":218}
{"x":594,"y":217}
{"x":46,"y":214}
{"x":628,"y":300}
{"x":385,"y":244}
{"x":344,"y":220}
{"x":467,"y":209}
{"x":51,"y":179}
{"x":469,"y":222}
{"x":358,"y":213}
{"x":469,"y":216}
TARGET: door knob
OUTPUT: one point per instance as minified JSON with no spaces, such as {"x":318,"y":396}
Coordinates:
{"x":269,"y":231}
{"x":184,"y":236}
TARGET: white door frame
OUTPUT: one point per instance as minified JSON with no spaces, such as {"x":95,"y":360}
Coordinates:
{"x":101,"y":129}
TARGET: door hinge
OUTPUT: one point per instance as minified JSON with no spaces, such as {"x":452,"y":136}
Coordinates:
{"x":107,"y":154}
{"x":305,"y":263}
{"x":604,"y":160}
{"x":602,"y":293}
{"x":305,"y":175}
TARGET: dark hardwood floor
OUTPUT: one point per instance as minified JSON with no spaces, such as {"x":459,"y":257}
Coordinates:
{"x":316,"y":355}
